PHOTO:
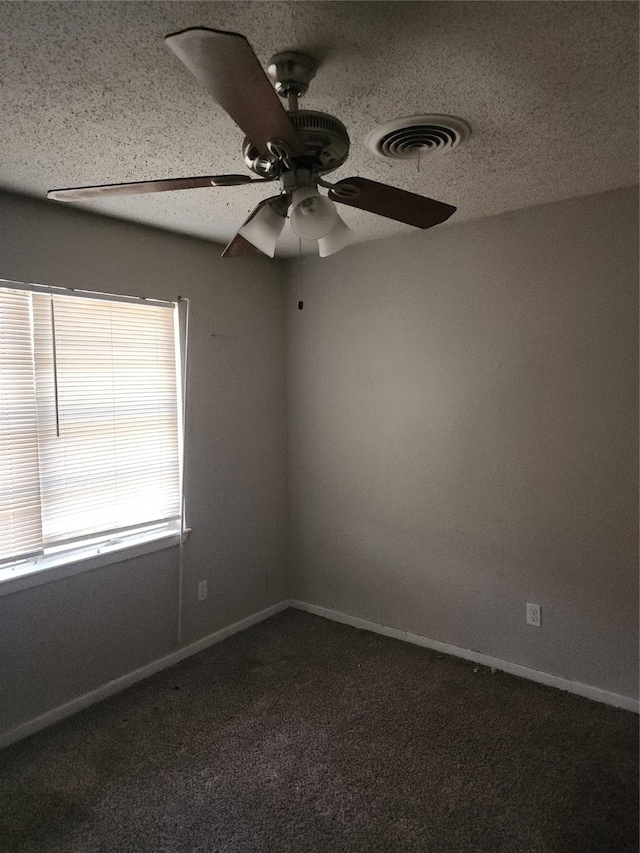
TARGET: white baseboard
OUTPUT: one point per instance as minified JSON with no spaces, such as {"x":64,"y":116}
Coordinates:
{"x":110,"y":688}
{"x":124,"y":681}
{"x":595,"y":693}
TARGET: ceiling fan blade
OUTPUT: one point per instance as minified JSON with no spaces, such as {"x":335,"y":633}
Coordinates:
{"x":391,"y":202}
{"x":240,"y":246}
{"x":226,"y":65}
{"x":261,"y":229}
{"x":136,"y":187}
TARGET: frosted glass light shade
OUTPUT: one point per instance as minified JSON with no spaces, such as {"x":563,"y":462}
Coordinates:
{"x":337,"y":239}
{"x":312,"y":215}
{"x":263,"y":230}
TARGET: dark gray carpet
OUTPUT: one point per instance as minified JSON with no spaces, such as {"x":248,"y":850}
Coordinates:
{"x":304,"y":735}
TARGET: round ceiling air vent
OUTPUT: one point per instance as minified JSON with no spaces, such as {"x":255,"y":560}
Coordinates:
{"x":414,"y":136}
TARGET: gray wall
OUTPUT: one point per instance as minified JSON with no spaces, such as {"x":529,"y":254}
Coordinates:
{"x":462,"y":438}
{"x":463,"y":435}
{"x":64,"y":638}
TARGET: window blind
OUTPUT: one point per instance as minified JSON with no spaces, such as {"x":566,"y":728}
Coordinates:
{"x":20,"y":517}
{"x":104,"y":428}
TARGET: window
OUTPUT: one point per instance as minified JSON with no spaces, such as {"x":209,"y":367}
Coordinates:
{"x":90,"y":425}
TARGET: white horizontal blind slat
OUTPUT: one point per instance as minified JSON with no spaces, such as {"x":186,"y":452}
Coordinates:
{"x":20,"y":518}
{"x":116,"y":460}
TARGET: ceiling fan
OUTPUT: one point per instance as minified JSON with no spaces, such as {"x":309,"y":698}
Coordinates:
{"x":294,"y":147}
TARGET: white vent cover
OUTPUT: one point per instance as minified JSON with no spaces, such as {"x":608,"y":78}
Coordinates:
{"x":414,"y":136}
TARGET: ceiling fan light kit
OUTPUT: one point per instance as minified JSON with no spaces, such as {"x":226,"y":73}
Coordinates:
{"x":295,"y":147}
{"x":337,"y":239}
{"x":312,"y":215}
{"x":263,"y":228}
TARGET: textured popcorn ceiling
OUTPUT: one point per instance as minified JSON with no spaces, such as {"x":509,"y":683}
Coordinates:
{"x":89,"y":94}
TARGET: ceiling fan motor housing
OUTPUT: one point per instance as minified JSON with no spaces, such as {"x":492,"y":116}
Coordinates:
{"x":324,"y":138}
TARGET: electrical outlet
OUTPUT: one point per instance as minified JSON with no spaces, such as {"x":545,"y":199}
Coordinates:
{"x":202,"y":590}
{"x":533,"y":614}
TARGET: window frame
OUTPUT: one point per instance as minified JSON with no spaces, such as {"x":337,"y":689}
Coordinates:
{"x":97,"y":550}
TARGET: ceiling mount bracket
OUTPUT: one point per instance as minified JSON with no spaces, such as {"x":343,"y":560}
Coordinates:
{"x":291,"y":72}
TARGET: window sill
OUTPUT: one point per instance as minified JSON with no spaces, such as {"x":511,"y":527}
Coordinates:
{"x":28,"y":577}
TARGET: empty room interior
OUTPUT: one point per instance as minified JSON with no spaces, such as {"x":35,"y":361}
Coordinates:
{"x":319,"y":501}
